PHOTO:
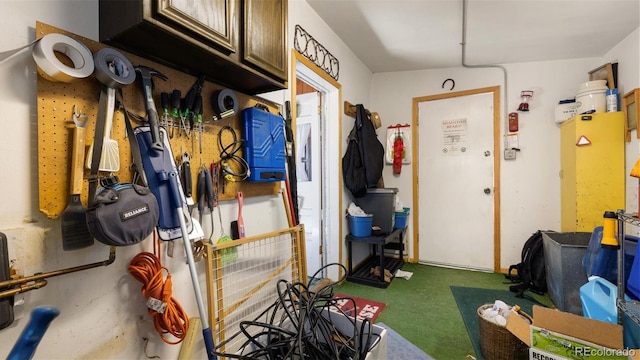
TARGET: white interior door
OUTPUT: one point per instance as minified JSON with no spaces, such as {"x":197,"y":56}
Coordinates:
{"x":456,"y":181}
{"x":308,"y":171}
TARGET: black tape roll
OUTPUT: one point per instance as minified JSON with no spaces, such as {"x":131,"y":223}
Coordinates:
{"x":113,"y":69}
{"x":224,"y":100}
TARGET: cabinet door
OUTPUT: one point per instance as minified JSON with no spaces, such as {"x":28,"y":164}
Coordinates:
{"x":265,"y":35}
{"x":210,"y":20}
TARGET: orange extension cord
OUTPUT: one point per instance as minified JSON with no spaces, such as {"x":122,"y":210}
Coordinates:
{"x":147,"y":269}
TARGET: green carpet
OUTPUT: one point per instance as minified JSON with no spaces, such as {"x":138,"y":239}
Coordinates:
{"x":423,"y":309}
{"x":470,"y":299}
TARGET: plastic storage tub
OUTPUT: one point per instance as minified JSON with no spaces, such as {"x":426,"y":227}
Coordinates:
{"x":603,"y":262}
{"x":400,"y":221}
{"x":360,"y":225}
{"x":381,"y":203}
{"x":563,"y":253}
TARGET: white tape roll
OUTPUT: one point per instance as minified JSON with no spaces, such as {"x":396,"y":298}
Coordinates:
{"x":113,"y":69}
{"x":52,"y":69}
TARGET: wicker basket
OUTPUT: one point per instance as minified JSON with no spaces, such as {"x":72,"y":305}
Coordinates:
{"x":498,"y":343}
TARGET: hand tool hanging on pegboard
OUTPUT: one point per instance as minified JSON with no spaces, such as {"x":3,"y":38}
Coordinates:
{"x":167,"y":118}
{"x":205,"y":195}
{"x":190,"y":103}
{"x":185,"y":175}
{"x":146,"y":75}
{"x":73,"y":220}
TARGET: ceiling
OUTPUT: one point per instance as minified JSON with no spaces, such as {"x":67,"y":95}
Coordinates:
{"x":399,"y":35}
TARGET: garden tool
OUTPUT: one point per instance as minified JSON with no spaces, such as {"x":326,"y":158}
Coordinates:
{"x":75,"y":233}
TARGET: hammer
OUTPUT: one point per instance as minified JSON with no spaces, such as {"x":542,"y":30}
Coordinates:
{"x":147,"y":74}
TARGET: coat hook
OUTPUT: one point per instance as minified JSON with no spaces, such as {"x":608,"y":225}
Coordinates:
{"x":453,"y":83}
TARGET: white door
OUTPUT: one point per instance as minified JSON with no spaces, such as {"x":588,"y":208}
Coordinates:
{"x":308,"y":165}
{"x":456,"y":183}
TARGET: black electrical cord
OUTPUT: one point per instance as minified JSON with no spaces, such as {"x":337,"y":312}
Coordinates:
{"x":228,"y":153}
{"x":298,"y":325}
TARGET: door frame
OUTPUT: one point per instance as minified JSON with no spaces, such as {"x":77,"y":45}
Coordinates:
{"x":331,"y":200}
{"x":495,"y":90}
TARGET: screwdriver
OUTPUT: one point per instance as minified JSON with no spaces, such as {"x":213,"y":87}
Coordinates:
{"x":164,"y":100}
{"x":197,"y":115}
{"x":175,"y":110}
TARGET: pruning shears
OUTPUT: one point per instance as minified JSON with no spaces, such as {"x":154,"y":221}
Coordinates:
{"x":205,"y":194}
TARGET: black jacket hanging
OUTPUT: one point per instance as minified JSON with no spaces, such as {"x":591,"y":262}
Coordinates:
{"x":364,"y":159}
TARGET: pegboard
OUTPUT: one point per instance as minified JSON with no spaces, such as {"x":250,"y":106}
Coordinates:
{"x":56,"y":102}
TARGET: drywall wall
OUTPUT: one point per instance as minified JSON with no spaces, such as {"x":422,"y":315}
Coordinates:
{"x":627,"y":54}
{"x":103,"y":315}
{"x":530,"y":185}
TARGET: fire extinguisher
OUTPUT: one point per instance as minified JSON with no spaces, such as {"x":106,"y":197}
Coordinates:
{"x":398,"y":149}
{"x":513,"y":122}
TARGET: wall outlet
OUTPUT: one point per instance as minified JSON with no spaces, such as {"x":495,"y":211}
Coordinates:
{"x":509,"y":154}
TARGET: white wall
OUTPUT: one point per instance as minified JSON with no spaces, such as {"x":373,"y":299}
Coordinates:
{"x":627,"y":54}
{"x":530,"y":185}
{"x":102,"y":311}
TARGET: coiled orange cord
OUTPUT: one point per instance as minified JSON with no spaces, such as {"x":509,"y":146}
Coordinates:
{"x":147,"y":269}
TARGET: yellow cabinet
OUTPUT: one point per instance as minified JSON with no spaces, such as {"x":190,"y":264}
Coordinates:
{"x":591,"y":169}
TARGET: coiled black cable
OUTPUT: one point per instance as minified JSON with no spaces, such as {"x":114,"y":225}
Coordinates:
{"x":299,"y":325}
{"x":228,"y":153}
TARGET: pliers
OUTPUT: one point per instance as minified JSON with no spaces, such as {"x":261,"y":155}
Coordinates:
{"x":205,"y":194}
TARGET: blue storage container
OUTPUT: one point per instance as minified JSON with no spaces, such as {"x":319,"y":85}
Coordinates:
{"x":400,"y":221}
{"x":264,"y":145}
{"x":598,"y":261}
{"x":633,"y":281}
{"x":360,"y":225}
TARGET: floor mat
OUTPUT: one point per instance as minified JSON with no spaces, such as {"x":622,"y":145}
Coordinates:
{"x":398,"y":348}
{"x":365,"y":308}
{"x":470,"y":299}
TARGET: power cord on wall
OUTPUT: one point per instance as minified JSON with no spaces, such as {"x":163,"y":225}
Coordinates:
{"x":168,"y":315}
{"x":228,"y":153}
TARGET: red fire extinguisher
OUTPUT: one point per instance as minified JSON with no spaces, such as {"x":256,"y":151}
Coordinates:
{"x":398,"y":149}
{"x":513,"y":122}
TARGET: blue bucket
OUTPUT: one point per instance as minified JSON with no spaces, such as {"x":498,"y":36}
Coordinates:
{"x":360,"y":225}
{"x":400,"y":220}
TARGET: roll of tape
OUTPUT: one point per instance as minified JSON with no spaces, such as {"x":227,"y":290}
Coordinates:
{"x":52,"y":69}
{"x":113,"y":69}
{"x":224,"y":100}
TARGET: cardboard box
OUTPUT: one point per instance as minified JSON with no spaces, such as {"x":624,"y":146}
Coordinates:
{"x":570,"y":334}
{"x":565,"y":111}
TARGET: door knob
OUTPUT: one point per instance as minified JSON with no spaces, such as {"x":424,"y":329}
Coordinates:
{"x":487,"y":191}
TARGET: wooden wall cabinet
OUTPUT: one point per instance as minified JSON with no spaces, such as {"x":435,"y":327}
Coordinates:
{"x":240,"y":44}
{"x":592,"y":169}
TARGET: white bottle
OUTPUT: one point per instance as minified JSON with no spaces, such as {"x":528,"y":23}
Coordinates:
{"x":612,"y":100}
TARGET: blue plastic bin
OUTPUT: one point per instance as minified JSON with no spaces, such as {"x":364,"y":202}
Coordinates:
{"x":598,"y":261}
{"x":633,"y":281}
{"x":360,"y":225}
{"x":400,"y":221}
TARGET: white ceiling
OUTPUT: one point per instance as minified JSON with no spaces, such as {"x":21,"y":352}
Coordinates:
{"x":397,"y":35}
